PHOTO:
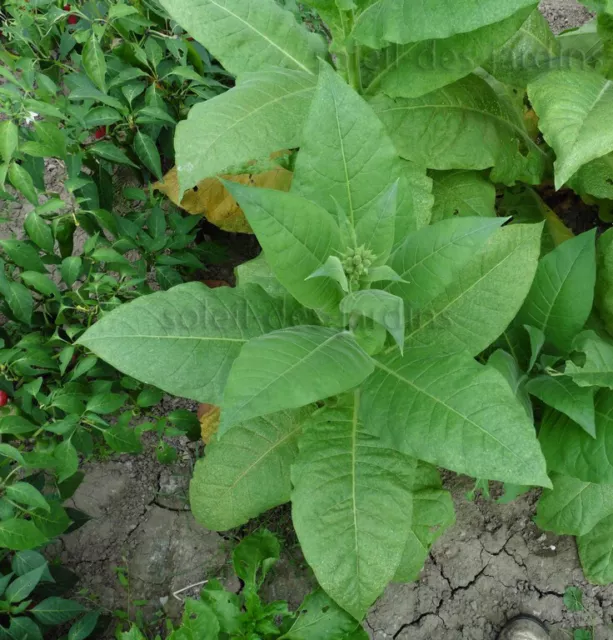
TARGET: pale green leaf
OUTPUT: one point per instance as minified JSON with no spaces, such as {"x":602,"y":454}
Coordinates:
{"x":562,"y":293}
{"x":425,"y":404}
{"x":248,"y":35}
{"x":25,"y":493}
{"x":485,"y":296}
{"x":573,"y":109}
{"x":146,"y":150}
{"x":332,"y":268}
{"x":561,"y":393}
{"x":9,"y":139}
{"x":595,"y":369}
{"x":573,"y":507}
{"x":263,"y":113}
{"x":94,"y":62}
{"x":596,"y":552}
{"x":466,"y":125}
{"x":537,"y":341}
{"x":247,"y":471}
{"x":291,"y":368}
{"x":297,"y":236}
{"x":569,"y":450}
{"x":258,"y":271}
{"x":39,"y":231}
{"x":462,"y":194}
{"x":429,"y":260}
{"x":412,"y":70}
{"x":507,"y":365}
{"x":595,"y":178}
{"x":351,"y":507}
{"x":165,"y":338}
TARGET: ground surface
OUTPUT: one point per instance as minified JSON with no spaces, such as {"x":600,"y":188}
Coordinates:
{"x":493,"y":564}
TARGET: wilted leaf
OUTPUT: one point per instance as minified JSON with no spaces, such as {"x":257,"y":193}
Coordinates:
{"x":208,"y":414}
{"x":211,"y":199}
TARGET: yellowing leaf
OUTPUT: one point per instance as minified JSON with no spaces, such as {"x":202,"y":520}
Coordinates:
{"x":211,"y":199}
{"x":208,"y":414}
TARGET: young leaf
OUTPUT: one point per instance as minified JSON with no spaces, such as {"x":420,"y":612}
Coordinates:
{"x":332,"y":268}
{"x":508,"y":366}
{"x":9,"y":140}
{"x":23,"y":586}
{"x":569,"y":450}
{"x":429,"y":260}
{"x":596,"y":552}
{"x":484,"y":298}
{"x":597,"y":367}
{"x":562,"y":293}
{"x":147,"y":151}
{"x":380,"y":306}
{"x":189,"y":328}
{"x":425,"y":405}
{"x":297,"y":236}
{"x":573,"y":507}
{"x":85,"y":626}
{"x":572,"y":107}
{"x":19,"y":535}
{"x":537,"y":341}
{"x":403,"y":21}
{"x":22,"y":181}
{"x":561,"y":393}
{"x":344,"y":471}
{"x":291,"y":368}
{"x":39,"y":232}
{"x":247,"y":35}
{"x":462,"y":194}
{"x":254,"y":556}
{"x":94,"y":62}
{"x":257,"y":453}
{"x":263,"y":113}
{"x":25,"y":493}
{"x":54,"y":611}
{"x":71,"y":269}
{"x":466,"y":125}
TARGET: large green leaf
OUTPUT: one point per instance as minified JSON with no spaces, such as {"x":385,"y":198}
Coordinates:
{"x":463,"y":126}
{"x":428,"y":261}
{"x":573,"y":507}
{"x":412,"y":70}
{"x":346,"y":158}
{"x":462,"y":193}
{"x":248,"y":35}
{"x":530,"y":52}
{"x":561,"y":393}
{"x":595,"y":178}
{"x":455,"y":413}
{"x":485,"y":296}
{"x":574,"y":108}
{"x":415,"y":200}
{"x":433,"y":513}
{"x":184,"y":340}
{"x":297,"y":237}
{"x":596,"y":368}
{"x":569,"y":450}
{"x":596,"y":552}
{"x":351,"y":507}
{"x":263,"y":113}
{"x":291,"y":368}
{"x":247,"y":471}
{"x":562,"y":294}
{"x":403,"y":21}
{"x":604,"y":279}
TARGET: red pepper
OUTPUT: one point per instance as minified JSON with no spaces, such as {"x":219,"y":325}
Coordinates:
{"x":66,"y":7}
{"x":100,"y":132}
{"x":4,"y":398}
{"x":72,"y":19}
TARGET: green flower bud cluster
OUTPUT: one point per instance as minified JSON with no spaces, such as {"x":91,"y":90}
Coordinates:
{"x":356,"y":263}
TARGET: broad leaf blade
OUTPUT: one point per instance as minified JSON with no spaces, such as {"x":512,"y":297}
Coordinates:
{"x":165,"y":338}
{"x":297,"y":236}
{"x":263,"y":113}
{"x":291,"y":368}
{"x":247,"y":471}
{"x":428,"y":406}
{"x":596,"y":552}
{"x":573,"y":107}
{"x":351,"y":507}
{"x":248,"y":35}
{"x":595,"y":369}
{"x":562,"y":293}
{"x":462,"y":194}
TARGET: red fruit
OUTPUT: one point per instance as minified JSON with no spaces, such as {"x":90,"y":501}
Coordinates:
{"x":4,"y":398}
{"x":100,"y":133}
{"x":66,"y":7}
{"x":73,"y":19}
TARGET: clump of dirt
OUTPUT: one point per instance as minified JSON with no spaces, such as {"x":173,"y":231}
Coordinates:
{"x":564,"y":14}
{"x":573,"y":211}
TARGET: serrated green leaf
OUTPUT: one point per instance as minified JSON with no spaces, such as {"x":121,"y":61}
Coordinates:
{"x":297,"y":237}
{"x":412,"y":70}
{"x":247,"y":35}
{"x":39,"y":232}
{"x":351,"y":507}
{"x":257,"y":453}
{"x":562,"y":294}
{"x":573,"y":507}
{"x":291,"y":368}
{"x":25,"y":493}
{"x":483,"y":299}
{"x":466,"y":125}
{"x":147,"y":151}
{"x":263,"y":113}
{"x":189,"y":328}
{"x":424,"y":404}
{"x":561,"y":393}
{"x":572,"y":107}
{"x":462,"y":194}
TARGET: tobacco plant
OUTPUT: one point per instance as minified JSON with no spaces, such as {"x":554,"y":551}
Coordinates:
{"x":393,"y":320}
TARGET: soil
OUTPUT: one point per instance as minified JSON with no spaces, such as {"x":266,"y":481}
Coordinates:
{"x":564,"y":14}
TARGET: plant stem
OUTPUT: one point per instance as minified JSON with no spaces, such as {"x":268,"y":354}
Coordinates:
{"x":353,"y":55}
